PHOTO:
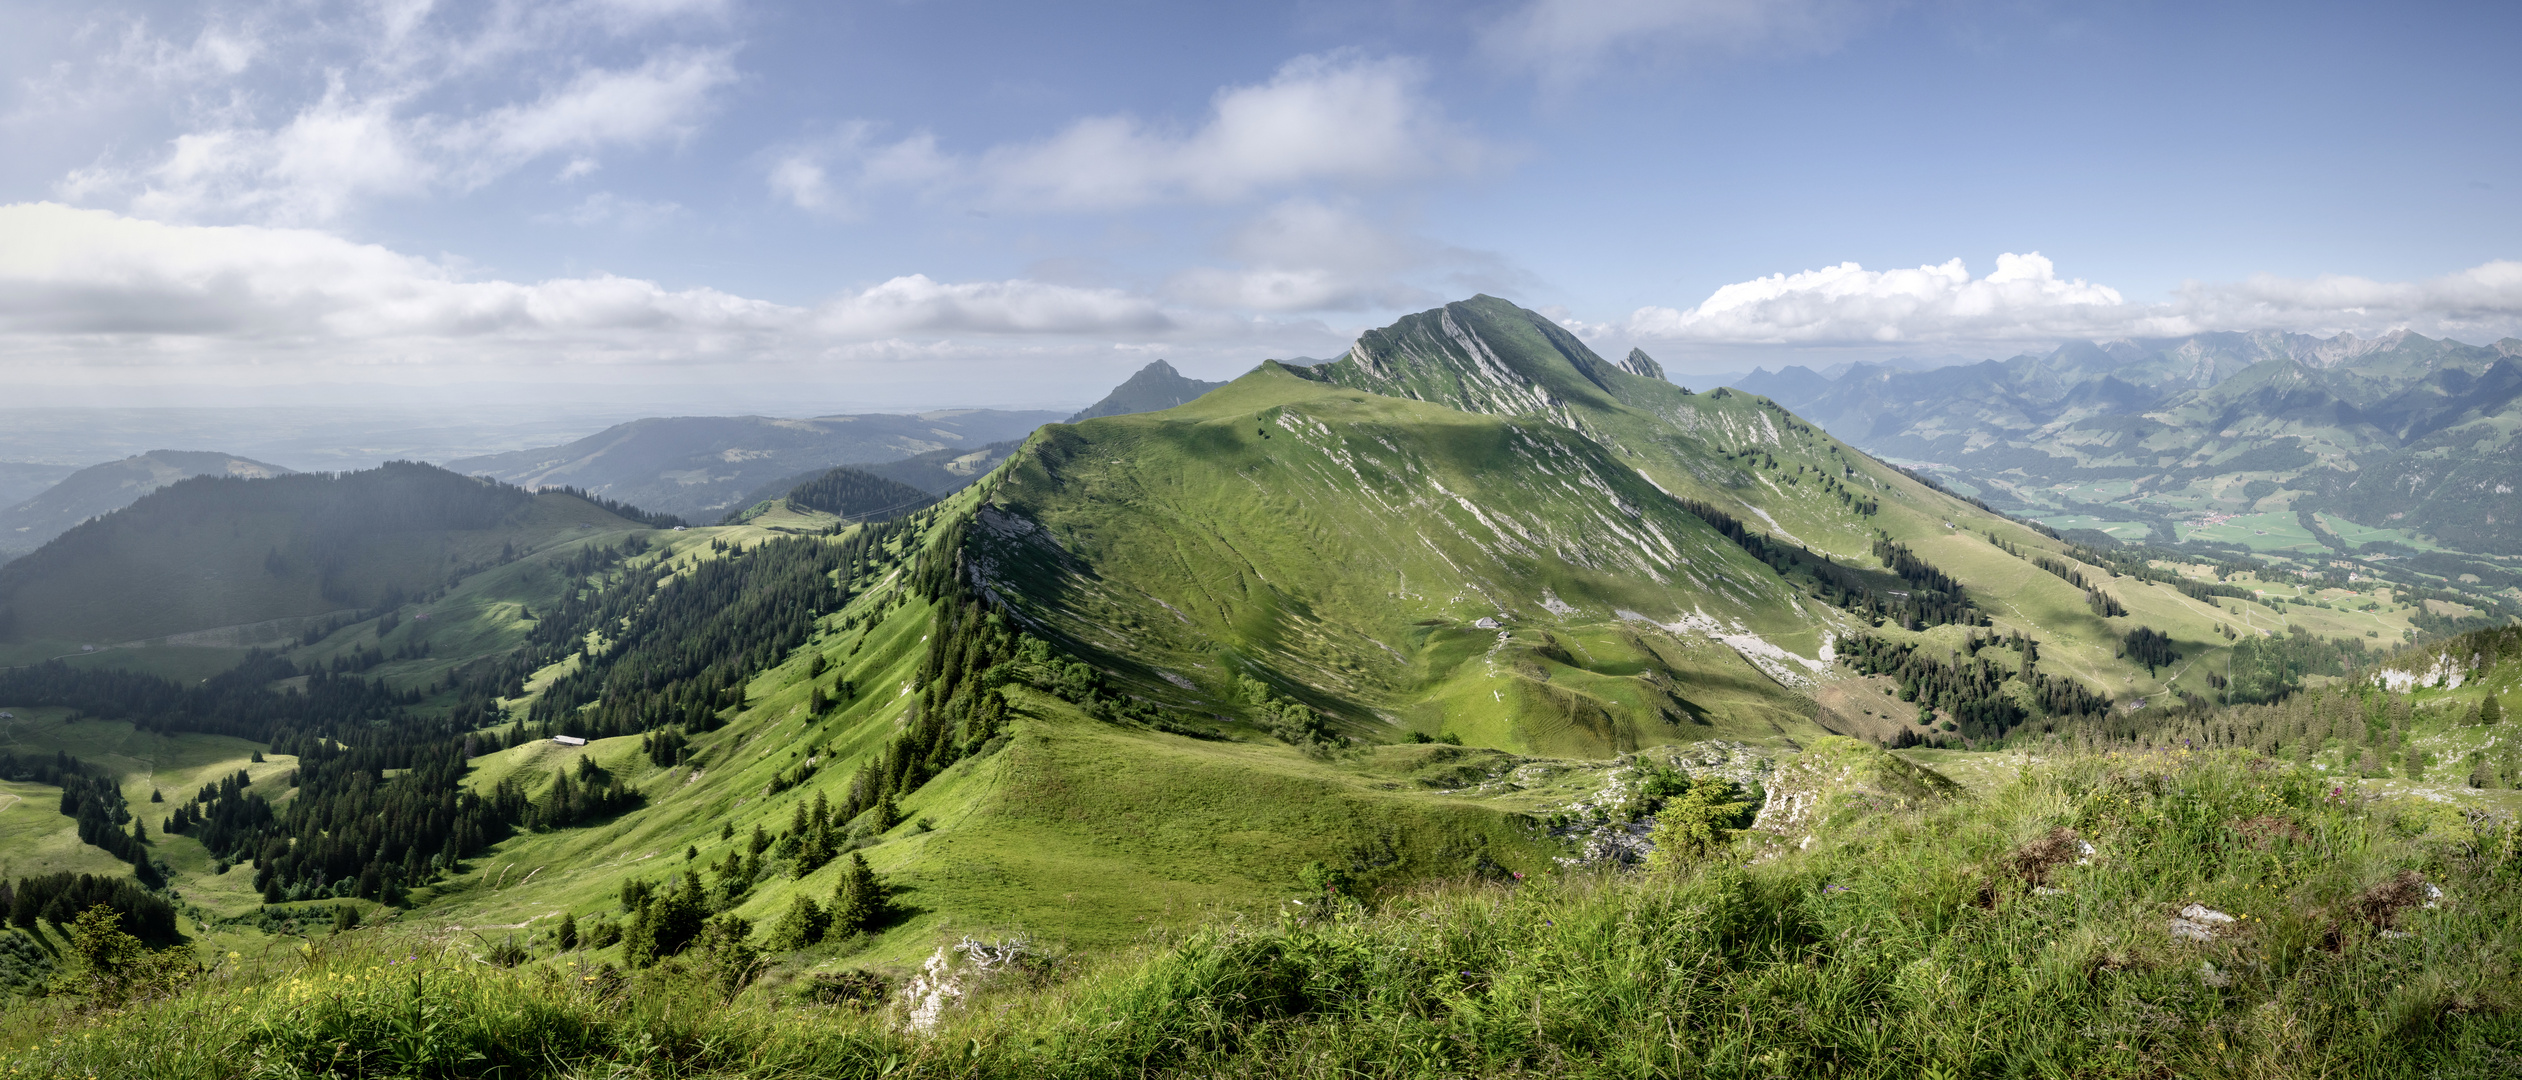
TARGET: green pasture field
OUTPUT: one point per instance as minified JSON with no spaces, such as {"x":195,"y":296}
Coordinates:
{"x":2119,"y":530}
{"x":2259,"y":532}
{"x":2358,"y":535}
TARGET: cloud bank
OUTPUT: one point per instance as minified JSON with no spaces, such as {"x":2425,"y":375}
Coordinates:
{"x":1343,"y":120}
{"x":302,"y":114}
{"x":91,"y":288}
{"x":2024,"y":300}
{"x":96,"y":297}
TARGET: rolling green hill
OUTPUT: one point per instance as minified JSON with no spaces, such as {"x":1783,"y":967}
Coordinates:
{"x":102,"y":489}
{"x":232,"y":563}
{"x":842,"y":492}
{"x":23,"y":480}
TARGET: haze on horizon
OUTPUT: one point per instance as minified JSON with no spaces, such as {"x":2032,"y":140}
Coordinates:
{"x":723,"y":205}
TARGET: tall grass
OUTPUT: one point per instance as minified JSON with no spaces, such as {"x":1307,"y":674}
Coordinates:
{"x":1966,"y":939}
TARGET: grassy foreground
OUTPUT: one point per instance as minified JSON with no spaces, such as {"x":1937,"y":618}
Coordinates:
{"x":1964,"y":937}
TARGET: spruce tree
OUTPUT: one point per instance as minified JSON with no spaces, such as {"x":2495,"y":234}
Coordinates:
{"x":568,"y":932}
{"x":804,"y":924}
{"x":858,"y":899}
{"x":888,"y":814}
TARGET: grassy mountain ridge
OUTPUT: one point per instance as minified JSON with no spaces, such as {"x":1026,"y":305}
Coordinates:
{"x":1342,"y":547}
{"x":1781,"y":476}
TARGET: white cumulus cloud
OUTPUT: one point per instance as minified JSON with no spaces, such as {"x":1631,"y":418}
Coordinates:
{"x":2024,"y":300}
{"x":1307,"y":255}
{"x":1342,"y":119}
{"x":1565,"y":40}
{"x":914,"y":304}
{"x":292,"y":114}
{"x":91,"y":287}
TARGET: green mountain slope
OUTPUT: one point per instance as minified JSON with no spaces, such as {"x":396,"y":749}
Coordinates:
{"x":1346,"y":549}
{"x":1338,"y":533}
{"x":1779,"y":475}
{"x":100,"y":489}
{"x":224,"y":561}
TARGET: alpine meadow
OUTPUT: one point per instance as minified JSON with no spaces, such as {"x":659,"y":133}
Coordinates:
{"x":749,"y":540}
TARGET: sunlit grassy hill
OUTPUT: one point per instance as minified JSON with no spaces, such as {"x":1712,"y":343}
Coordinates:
{"x":1400,"y":564}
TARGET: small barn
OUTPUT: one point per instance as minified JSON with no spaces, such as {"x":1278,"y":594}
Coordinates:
{"x":569,"y":740}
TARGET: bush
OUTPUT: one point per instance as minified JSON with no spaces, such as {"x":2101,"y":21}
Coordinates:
{"x":857,"y":990}
{"x":1696,"y":824}
{"x":24,"y":965}
{"x":507,"y":953}
{"x":803,"y":925}
{"x":113,"y":967}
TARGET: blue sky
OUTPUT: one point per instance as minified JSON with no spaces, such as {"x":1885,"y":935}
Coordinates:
{"x":724,"y":204}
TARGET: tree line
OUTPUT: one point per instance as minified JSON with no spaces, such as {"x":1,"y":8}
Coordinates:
{"x":1843,"y":587}
{"x":680,"y":651}
{"x":1972,"y":689}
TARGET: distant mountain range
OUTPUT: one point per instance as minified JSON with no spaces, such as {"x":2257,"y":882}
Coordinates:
{"x":700,"y":467}
{"x":100,"y":489}
{"x":2399,"y":432}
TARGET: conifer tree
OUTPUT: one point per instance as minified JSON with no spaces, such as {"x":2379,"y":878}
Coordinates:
{"x":804,"y":924}
{"x":858,"y":900}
